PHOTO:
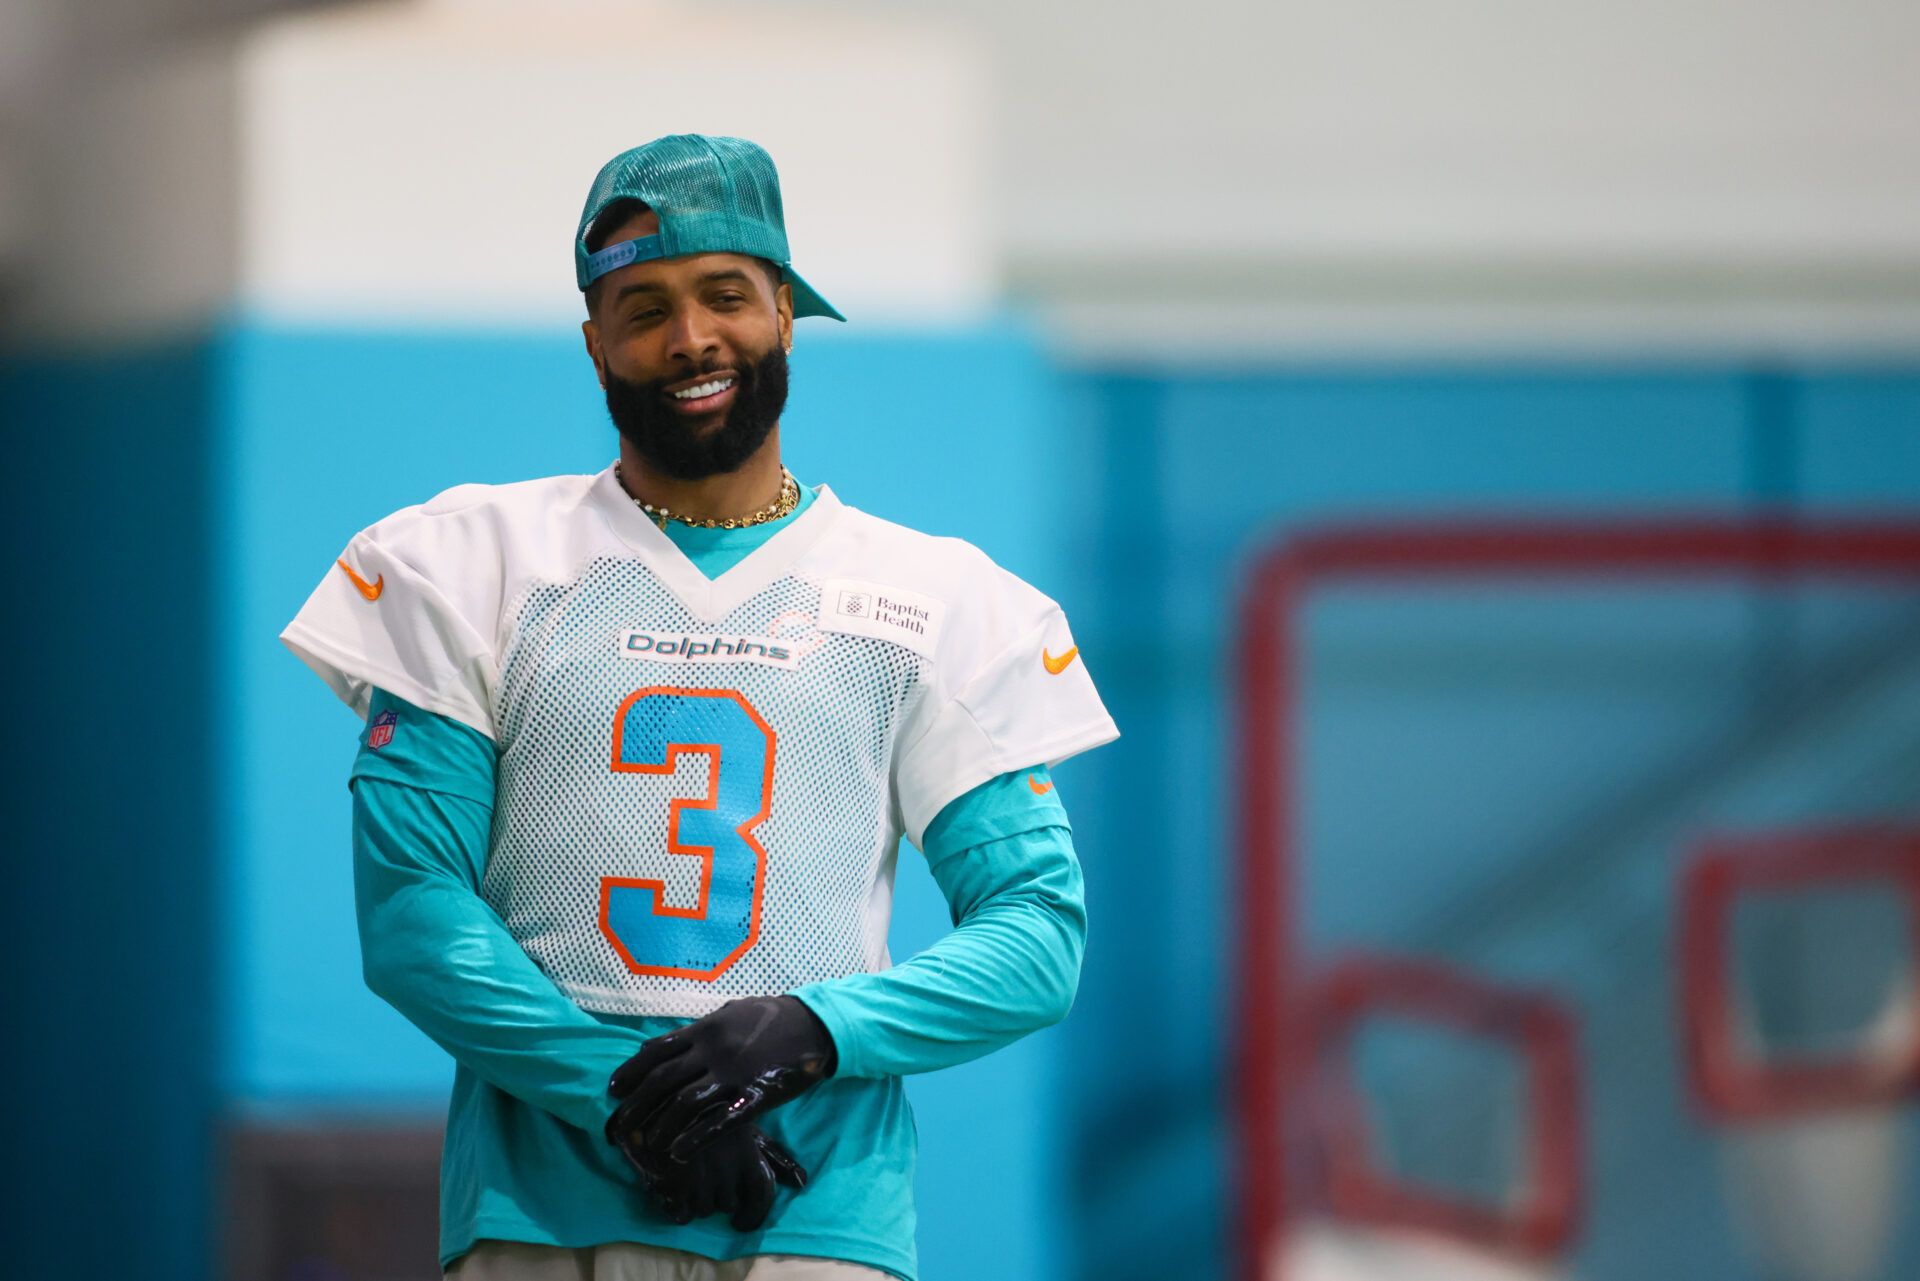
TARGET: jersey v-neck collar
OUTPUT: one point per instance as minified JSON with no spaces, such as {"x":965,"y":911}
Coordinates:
{"x":712,"y":599}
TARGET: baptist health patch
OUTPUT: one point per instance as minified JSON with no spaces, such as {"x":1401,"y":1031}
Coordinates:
{"x":884,"y":613}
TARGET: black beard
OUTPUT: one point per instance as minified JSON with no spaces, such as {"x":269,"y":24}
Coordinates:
{"x":673,"y":446}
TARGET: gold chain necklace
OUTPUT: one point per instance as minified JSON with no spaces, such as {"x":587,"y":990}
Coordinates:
{"x":780,"y":507}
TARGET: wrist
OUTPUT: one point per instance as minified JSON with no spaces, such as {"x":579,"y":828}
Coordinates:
{"x":823,"y":1058}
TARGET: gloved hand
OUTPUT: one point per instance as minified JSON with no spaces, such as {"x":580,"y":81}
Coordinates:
{"x":686,"y":1089}
{"x":737,"y":1175}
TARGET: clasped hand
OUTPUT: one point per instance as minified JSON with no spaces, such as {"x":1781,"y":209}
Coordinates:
{"x":688,"y":1100}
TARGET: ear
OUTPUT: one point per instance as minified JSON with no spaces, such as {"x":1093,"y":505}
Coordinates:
{"x":591,"y":333}
{"x":783,"y":312}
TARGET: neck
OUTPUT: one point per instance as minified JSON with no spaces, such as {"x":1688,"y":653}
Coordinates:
{"x":752,"y":486}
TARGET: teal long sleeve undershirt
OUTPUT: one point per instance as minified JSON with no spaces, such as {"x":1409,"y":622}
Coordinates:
{"x":1002,"y":854}
{"x":432,"y":947}
{"x":434,"y":950}
{"x":1010,"y":965}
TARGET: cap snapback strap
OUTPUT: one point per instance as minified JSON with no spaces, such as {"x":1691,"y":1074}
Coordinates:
{"x":614,"y":257}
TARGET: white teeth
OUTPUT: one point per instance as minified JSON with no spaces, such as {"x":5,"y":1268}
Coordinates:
{"x":704,"y":389}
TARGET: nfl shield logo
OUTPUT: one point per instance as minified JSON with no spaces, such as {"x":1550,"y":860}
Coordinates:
{"x":380,"y":733}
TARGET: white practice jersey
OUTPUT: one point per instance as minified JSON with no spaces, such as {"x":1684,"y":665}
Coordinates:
{"x":701,"y":783}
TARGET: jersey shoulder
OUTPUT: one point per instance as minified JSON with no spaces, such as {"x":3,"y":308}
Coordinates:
{"x":479,"y":517}
{"x":416,"y":603}
{"x":951,"y":568}
{"x":1005,"y":689}
{"x":485,"y":543}
{"x":983,"y":609}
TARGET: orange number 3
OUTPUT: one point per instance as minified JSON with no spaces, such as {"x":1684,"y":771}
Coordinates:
{"x":652,"y":729}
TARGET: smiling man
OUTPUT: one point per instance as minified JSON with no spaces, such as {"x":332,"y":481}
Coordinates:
{"x":640,"y":747}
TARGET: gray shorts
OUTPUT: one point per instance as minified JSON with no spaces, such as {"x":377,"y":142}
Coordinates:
{"x":628,"y":1261}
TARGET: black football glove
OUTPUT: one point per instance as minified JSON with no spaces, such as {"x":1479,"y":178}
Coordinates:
{"x":737,"y":1175}
{"x":686,"y":1089}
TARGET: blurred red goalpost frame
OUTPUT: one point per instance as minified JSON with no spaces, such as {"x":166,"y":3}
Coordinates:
{"x":1539,"y":1030}
{"x":1274,"y":992}
{"x":1729,"y":1085}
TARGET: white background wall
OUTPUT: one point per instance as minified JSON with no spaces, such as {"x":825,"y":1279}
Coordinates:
{"x":1282,"y":174}
{"x":1719,"y":128}
{"x":425,"y":164}
{"x":56,"y":61}
{"x":1230,"y":174}
{"x":431,"y":161}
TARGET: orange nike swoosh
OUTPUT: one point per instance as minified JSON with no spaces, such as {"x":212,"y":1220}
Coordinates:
{"x":371,"y":590}
{"x":1054,"y":665}
{"x":1039,"y":788}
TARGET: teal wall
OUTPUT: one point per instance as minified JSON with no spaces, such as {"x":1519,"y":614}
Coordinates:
{"x":115,"y":806}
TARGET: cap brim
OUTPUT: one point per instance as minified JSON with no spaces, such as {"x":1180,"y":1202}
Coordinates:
{"x":806,"y":302}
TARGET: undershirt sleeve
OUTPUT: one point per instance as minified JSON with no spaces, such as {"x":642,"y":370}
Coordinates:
{"x":1003,"y":856}
{"x":1031,"y":701}
{"x":432,"y":947}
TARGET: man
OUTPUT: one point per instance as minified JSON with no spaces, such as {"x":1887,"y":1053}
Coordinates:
{"x":640,"y":748}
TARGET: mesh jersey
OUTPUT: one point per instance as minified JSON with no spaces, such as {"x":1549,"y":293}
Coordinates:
{"x":701,"y":783}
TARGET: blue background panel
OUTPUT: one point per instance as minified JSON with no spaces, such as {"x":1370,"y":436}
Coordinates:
{"x":116,"y":810}
{"x":1455,"y":740}
{"x":1463,"y":745}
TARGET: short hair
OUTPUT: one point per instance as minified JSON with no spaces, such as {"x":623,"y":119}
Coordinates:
{"x":619,"y":214}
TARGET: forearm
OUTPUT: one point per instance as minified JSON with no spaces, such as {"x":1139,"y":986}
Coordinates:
{"x":434,"y":950}
{"x":1010,"y":967}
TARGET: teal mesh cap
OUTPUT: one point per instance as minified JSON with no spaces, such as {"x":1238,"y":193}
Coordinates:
{"x":712,"y":195}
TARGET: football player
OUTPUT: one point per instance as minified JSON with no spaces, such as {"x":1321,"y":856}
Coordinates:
{"x":640,"y":748}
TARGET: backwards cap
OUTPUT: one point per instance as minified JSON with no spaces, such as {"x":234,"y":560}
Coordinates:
{"x":712,"y":195}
